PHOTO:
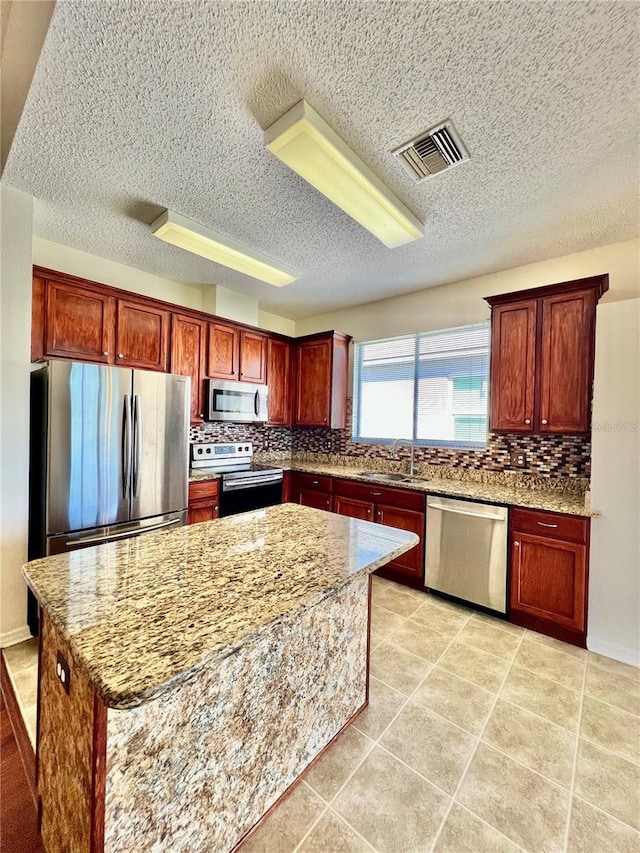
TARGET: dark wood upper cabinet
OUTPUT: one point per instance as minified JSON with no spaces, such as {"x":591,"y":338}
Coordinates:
{"x":513,"y":344}
{"x":78,"y":323}
{"x":279,"y":381}
{"x":321,"y":380}
{"x":253,"y":357}
{"x":188,"y":351}
{"x":142,"y":336}
{"x":542,"y":357}
{"x":224,"y":351}
{"x":566,"y":361}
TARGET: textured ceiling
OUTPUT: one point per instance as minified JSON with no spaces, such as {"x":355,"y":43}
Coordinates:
{"x":138,"y":106}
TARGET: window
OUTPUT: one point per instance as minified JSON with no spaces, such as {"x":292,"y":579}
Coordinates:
{"x":430,"y":388}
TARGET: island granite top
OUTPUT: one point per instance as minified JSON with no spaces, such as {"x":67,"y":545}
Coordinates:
{"x":142,"y":615}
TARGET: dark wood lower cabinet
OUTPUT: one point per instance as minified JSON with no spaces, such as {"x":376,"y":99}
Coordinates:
{"x":353,"y":508}
{"x":203,"y":501}
{"x":411,"y":564}
{"x":549,"y":574}
{"x":400,"y":508}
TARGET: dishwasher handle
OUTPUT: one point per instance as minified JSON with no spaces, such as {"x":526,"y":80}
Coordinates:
{"x":457,"y":511}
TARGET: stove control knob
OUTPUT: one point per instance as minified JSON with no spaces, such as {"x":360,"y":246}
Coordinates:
{"x":208,"y":450}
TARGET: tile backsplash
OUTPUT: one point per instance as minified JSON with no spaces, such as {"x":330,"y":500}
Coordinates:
{"x":546,"y":456}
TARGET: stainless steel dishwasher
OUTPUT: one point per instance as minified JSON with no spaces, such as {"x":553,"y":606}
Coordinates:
{"x":466,"y":553}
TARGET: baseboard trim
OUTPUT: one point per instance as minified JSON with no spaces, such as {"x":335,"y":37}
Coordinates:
{"x":18,"y":635}
{"x":612,"y":650}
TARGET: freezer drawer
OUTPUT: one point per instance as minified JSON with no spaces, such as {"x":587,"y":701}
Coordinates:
{"x":466,"y":553}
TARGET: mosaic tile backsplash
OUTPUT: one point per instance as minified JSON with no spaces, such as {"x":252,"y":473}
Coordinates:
{"x":546,"y":456}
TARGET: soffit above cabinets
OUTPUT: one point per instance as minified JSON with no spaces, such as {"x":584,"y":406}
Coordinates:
{"x":139,"y":107}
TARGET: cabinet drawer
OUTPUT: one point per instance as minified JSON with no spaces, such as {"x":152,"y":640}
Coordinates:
{"x":203,"y":489}
{"x":403,"y":498}
{"x":553,"y":525}
{"x":313,"y":482}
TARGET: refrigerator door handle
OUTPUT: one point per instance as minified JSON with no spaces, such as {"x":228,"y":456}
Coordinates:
{"x":137,"y":444}
{"x":127,"y":534}
{"x":126,"y":446}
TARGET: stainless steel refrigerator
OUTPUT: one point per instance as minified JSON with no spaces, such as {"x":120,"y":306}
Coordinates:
{"x":109,"y":455}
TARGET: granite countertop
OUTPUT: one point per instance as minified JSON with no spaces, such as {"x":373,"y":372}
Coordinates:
{"x":142,"y":615}
{"x":507,"y":489}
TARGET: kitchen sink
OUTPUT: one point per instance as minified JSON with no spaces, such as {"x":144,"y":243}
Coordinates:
{"x":378,"y":475}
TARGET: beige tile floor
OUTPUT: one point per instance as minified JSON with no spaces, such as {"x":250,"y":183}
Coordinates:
{"x":479,"y":736}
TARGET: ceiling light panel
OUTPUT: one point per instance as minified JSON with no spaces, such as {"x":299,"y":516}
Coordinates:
{"x":307,"y":144}
{"x":193,"y":237}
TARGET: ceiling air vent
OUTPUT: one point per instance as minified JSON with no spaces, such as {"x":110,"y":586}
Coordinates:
{"x":434,"y":151}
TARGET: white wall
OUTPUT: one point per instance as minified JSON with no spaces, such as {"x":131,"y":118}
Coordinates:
{"x":15,"y":354}
{"x":74,"y":262}
{"x":462,"y":302}
{"x":614,"y":583}
{"x":211,"y":298}
{"x":224,"y":302}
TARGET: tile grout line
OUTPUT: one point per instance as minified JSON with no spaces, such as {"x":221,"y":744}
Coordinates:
{"x":378,"y":744}
{"x":326,"y":810}
{"x":601,"y":811}
{"x":575,"y":760}
{"x":474,"y":750}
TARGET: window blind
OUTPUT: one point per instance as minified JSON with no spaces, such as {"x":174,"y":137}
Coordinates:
{"x":430,"y":388}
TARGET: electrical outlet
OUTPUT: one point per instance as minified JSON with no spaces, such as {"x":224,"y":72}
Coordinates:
{"x":63,"y":672}
{"x":518,"y":459}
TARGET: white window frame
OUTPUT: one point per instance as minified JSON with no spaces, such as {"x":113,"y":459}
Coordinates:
{"x":459,"y":444}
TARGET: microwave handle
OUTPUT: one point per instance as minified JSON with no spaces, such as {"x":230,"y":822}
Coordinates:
{"x":256,"y":403}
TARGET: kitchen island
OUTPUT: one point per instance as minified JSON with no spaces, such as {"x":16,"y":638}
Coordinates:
{"x":188,"y":678}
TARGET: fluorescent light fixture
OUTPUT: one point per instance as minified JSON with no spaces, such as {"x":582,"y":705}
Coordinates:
{"x":193,"y":237}
{"x":304,"y":141}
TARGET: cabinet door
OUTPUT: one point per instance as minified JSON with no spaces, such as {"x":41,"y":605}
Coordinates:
{"x":318,"y":500}
{"x":224,"y":351}
{"x":188,"y":342}
{"x":353,"y":508}
{"x":548,"y":579}
{"x":202,"y":511}
{"x":412,"y":562}
{"x":513,"y":357}
{"x":253,"y":358}
{"x":142,"y":336}
{"x":566,"y":361}
{"x":313,"y":397}
{"x":278,"y":379}
{"x":79,"y":323}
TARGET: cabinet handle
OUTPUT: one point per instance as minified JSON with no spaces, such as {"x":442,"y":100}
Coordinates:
{"x":201,"y":415}
{"x":527,"y":420}
{"x":314,"y":482}
{"x":376,"y":494}
{"x":542,"y":524}
{"x":120,"y":355}
{"x":517,"y":544}
{"x":368,"y":512}
{"x":215,"y":509}
{"x":105,"y":353}
{"x":544,"y":421}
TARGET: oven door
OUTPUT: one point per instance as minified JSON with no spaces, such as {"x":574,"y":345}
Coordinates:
{"x":239,"y":402}
{"x":246,"y":494}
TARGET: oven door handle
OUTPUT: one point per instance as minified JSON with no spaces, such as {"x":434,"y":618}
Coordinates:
{"x":250,"y":482}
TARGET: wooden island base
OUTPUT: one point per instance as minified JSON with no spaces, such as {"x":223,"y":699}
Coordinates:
{"x":198,"y":767}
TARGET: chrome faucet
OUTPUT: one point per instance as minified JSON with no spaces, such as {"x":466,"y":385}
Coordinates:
{"x":410,"y":444}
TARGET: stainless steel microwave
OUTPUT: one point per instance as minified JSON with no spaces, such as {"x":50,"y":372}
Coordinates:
{"x":239,"y":402}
